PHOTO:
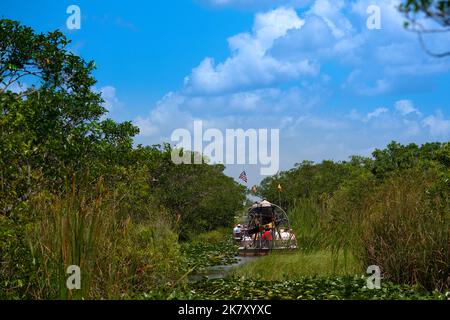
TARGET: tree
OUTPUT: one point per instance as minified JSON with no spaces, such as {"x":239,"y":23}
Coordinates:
{"x":417,"y":12}
{"x":200,"y":197}
{"x":51,"y":127}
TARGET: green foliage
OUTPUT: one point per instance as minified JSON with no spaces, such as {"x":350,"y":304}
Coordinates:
{"x":116,"y":254}
{"x":216,"y":236}
{"x":307,"y":219}
{"x":75,"y":190}
{"x":438,"y":10}
{"x":205,"y":254}
{"x":306,"y":180}
{"x":408,"y":230}
{"x":391,"y":210}
{"x":292,"y":265}
{"x":18,"y":268}
{"x":303,"y":288}
{"x":53,"y":128}
{"x":200,"y":196}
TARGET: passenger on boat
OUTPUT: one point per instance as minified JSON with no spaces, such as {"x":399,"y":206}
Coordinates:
{"x":267,"y":237}
{"x":287,"y":234}
{"x":237,"y":231}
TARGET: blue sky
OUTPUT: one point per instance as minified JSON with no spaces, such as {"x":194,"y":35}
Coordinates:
{"x":311,"y":68}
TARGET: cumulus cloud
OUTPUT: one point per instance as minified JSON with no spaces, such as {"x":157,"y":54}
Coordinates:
{"x":255,"y":4}
{"x":250,"y":65}
{"x":406,"y":107}
{"x":331,"y":13}
{"x":438,"y":125}
{"x":286,"y":45}
{"x":166,"y":116}
{"x":376,"y":113}
{"x":304,"y":133}
{"x":287,"y":71}
{"x":111,"y":101}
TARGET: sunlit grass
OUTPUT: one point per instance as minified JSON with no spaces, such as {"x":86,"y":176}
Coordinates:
{"x":282,"y":266}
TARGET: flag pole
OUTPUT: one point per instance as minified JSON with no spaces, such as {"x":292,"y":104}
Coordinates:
{"x":279,"y":194}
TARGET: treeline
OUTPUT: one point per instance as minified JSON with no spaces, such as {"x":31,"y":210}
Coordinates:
{"x":390,"y":210}
{"x":75,"y":190}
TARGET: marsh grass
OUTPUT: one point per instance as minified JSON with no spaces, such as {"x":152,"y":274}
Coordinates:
{"x":287,"y":266}
{"x":75,"y":229}
{"x":308,"y":220}
{"x":408,"y":232}
{"x":401,"y":225}
{"x":117,"y":256}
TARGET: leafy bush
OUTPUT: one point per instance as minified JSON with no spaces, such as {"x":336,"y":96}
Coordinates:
{"x":17,"y":266}
{"x":215,"y":236}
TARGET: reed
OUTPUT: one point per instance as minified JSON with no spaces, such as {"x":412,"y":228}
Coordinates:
{"x":401,"y":225}
{"x":89,"y":227}
{"x":408,"y":232}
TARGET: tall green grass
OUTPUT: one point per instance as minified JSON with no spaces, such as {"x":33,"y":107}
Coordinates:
{"x":289,"y":266}
{"x":308,"y":220}
{"x":91,"y":227}
{"x":401,"y":224}
{"x":408,"y":230}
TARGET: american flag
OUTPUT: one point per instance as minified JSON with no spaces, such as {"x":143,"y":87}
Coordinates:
{"x":243,"y":176}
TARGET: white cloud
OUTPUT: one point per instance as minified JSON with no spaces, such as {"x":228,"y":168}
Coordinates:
{"x":265,"y":82}
{"x":146,"y":127}
{"x":111,"y":102}
{"x":304,"y":133}
{"x":406,"y":107}
{"x":437,"y":125}
{"x":330,"y":12}
{"x":376,"y":113}
{"x":286,"y":45}
{"x":412,"y":128}
{"x":250,"y":64}
{"x":357,"y":82}
{"x":274,"y":24}
{"x":255,"y":4}
{"x":166,"y":116}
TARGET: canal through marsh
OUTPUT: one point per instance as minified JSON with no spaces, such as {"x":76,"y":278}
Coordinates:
{"x":220,"y":271}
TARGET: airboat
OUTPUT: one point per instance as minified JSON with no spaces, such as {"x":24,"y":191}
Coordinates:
{"x":266,"y":228}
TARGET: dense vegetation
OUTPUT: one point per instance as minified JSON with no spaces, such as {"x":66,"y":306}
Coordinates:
{"x":390,"y":210}
{"x":210,"y":249}
{"x":75,"y":190}
{"x":304,"y":288}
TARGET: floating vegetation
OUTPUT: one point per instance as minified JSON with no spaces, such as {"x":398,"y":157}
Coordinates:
{"x":306,"y":288}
